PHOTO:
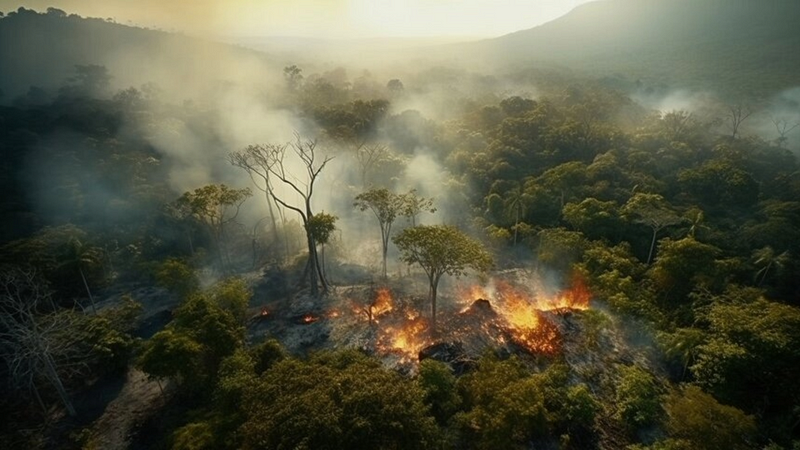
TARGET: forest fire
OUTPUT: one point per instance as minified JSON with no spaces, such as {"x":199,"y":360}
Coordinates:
{"x":504,"y":311}
{"x":522,"y":311}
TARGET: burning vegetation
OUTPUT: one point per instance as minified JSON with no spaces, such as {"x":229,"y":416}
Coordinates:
{"x":512,"y":311}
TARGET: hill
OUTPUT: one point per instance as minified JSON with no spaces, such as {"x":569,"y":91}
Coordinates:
{"x":42,"y":49}
{"x":725,"y":46}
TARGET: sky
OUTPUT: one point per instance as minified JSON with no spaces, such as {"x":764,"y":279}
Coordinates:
{"x":333,"y":19}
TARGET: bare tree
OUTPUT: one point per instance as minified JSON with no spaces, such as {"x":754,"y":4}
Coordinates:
{"x":278,"y":165}
{"x":737,"y":114}
{"x":39,"y":345}
{"x":255,"y":160}
{"x":783,"y":128}
{"x":368,"y":157}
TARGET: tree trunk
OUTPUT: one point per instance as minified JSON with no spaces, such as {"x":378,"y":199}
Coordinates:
{"x":764,"y":275}
{"x":385,"y":251}
{"x":312,"y":264}
{"x":324,"y":271}
{"x":434,"y":282}
{"x":38,"y":398}
{"x":191,"y":244}
{"x":652,"y":246}
{"x":88,"y":291}
{"x":56,"y":380}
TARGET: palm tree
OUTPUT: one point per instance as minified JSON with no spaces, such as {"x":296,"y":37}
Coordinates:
{"x":766,"y":259}
{"x":515,"y":204}
{"x":84,"y":258}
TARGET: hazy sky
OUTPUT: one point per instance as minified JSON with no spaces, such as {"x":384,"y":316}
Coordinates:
{"x":320,"y":18}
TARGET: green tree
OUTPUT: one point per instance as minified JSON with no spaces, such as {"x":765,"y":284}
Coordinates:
{"x":83,"y":258}
{"x":214,"y":206}
{"x":439,"y":384}
{"x":439,"y":250}
{"x":638,"y":400}
{"x":766,"y":258}
{"x":321,"y":226}
{"x":653,"y":211}
{"x":205,"y":329}
{"x":683,"y":265}
{"x":414,"y":205}
{"x":516,"y":204}
{"x":751,"y":358}
{"x":594,"y":218}
{"x":177,"y":276}
{"x":564,"y":179}
{"x":696,"y":417}
{"x":386,"y":206}
{"x":333,"y":401}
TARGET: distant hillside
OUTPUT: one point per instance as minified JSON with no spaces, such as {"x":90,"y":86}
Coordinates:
{"x":41,"y":49}
{"x":727,"y":45}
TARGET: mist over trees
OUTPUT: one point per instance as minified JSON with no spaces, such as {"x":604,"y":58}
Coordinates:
{"x":130,"y":246}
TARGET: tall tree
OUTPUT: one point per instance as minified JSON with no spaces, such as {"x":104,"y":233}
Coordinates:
{"x":414,"y":205}
{"x":385,"y":205}
{"x":440,"y":250}
{"x":737,"y":114}
{"x":82,"y":257}
{"x":322,"y":226}
{"x":278,"y":164}
{"x":653,"y":211}
{"x":255,"y":160}
{"x":215,"y":206}
{"x":516,"y":204}
{"x":766,"y":258}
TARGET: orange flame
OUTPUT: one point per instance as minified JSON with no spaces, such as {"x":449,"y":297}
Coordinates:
{"x":576,"y":297}
{"x":383,"y":303}
{"x":407,"y":340}
{"x":310,"y":318}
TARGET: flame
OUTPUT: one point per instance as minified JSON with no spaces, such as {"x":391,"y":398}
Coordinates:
{"x":309,"y":318}
{"x":517,"y":308}
{"x":383,"y":303}
{"x":522,"y":313}
{"x":407,"y":340}
{"x":576,"y":297}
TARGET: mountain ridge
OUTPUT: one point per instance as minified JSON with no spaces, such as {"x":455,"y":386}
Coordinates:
{"x":680,"y":42}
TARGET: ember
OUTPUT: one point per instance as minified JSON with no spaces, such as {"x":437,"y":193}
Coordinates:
{"x":309,"y":318}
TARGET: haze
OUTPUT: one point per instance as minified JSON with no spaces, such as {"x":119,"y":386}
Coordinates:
{"x":336,"y":19}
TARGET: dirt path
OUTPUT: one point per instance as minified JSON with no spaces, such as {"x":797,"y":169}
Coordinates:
{"x":138,"y":399}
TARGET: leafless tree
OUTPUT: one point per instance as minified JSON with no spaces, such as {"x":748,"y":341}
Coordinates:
{"x":783,"y":127}
{"x":255,"y":160}
{"x":39,"y":345}
{"x":277,"y":163}
{"x":368,"y":157}
{"x":737,"y":114}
